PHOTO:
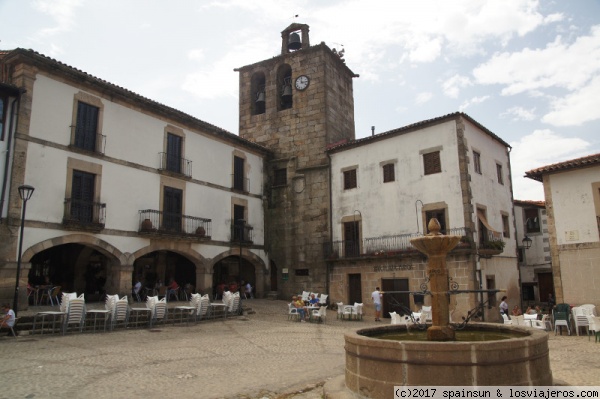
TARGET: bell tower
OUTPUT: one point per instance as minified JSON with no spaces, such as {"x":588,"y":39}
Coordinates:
{"x":297,"y":104}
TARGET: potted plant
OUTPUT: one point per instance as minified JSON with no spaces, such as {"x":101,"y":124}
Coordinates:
{"x":200,"y":231}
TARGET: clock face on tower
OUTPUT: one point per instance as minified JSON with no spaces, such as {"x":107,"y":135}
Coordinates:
{"x":302,"y":82}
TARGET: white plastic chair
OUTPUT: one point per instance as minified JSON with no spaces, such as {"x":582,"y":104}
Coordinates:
{"x":319,"y":314}
{"x":159,"y":312}
{"x":358,"y":307}
{"x":340,"y":310}
{"x":425,"y":314}
{"x":190,"y":309}
{"x":506,"y":319}
{"x":121,"y":312}
{"x":594,"y":327}
{"x":580,"y":318}
{"x":203,"y":307}
{"x":293,"y":312}
{"x":323,"y":299}
{"x":75,"y":314}
{"x":305,"y":295}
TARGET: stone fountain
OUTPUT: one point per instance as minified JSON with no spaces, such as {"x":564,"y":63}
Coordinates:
{"x":374,"y":364}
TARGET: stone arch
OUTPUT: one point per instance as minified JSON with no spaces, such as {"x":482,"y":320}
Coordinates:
{"x":260,"y":268}
{"x":92,"y":241}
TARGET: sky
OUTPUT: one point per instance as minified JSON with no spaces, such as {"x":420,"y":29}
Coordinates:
{"x":527,"y":70}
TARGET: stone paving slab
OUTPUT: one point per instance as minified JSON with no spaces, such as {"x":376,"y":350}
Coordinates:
{"x":261,"y":355}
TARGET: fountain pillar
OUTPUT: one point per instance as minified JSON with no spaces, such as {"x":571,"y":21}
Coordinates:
{"x":436,"y":246}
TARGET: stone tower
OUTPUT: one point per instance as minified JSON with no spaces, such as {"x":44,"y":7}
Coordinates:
{"x":297,"y":104}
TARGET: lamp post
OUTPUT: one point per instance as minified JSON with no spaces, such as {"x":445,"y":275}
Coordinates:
{"x":241,"y":224}
{"x":526,"y":242}
{"x":25,"y":193}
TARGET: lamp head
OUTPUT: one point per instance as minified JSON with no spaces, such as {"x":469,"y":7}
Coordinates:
{"x":527,"y":242}
{"x":25,"y":192}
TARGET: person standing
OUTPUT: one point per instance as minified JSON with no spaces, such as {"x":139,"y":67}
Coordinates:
{"x":8,"y":321}
{"x":376,"y":296}
{"x":504,"y":306}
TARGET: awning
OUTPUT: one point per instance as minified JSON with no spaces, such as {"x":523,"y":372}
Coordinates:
{"x":495,"y":234}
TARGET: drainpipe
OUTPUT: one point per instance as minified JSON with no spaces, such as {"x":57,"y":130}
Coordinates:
{"x":14,"y":113}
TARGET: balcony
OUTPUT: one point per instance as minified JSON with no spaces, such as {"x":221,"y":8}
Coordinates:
{"x":175,"y":165}
{"x":491,"y":245}
{"x":239,"y":183}
{"x":93,"y":142}
{"x":153,"y":222}
{"x":384,"y":246}
{"x":84,"y":215}
{"x":241,"y":233}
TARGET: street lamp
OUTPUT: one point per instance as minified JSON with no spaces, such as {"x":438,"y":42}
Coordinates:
{"x":241,"y":224}
{"x":527,"y":242}
{"x":25,"y":193}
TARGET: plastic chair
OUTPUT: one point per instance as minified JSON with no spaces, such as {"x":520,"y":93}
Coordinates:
{"x":323,"y":299}
{"x":319,"y":314}
{"x":506,"y":319}
{"x":594,"y":326}
{"x":75,"y":314}
{"x":580,"y":319}
{"x":293,"y":312}
{"x":562,"y":317}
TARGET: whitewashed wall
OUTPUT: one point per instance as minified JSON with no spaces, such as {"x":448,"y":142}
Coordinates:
{"x":137,"y":138}
{"x":389,"y":208}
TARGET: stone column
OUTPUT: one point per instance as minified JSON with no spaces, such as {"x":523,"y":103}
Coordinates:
{"x":436,"y":246}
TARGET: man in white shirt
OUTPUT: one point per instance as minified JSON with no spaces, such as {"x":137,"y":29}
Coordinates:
{"x":9,"y":319}
{"x":376,"y":296}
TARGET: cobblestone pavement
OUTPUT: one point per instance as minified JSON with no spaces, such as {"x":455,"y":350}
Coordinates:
{"x":261,"y":355}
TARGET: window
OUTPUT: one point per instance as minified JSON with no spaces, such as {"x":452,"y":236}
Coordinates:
{"x":499,"y":173}
{"x":528,"y":291}
{"x":239,"y":213}
{"x":284,"y":87}
{"x":172,"y":208}
{"x":351,"y":239}
{"x":388,"y":173}
{"x":257,"y":94}
{"x":490,"y":282}
{"x":477,"y":162}
{"x":532,"y":220}
{"x":86,"y":126}
{"x":82,"y":196}
{"x":280,"y":177}
{"x":238,"y":173}
{"x":432,"y":163}
{"x":301,"y":272}
{"x":505,"y":226}
{"x":174,"y":150}
{"x":349,"y":179}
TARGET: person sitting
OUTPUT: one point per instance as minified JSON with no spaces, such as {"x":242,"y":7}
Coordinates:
{"x":530,"y":310}
{"x":516,"y":311}
{"x":313,"y":300}
{"x":8,"y":321}
{"x":248,"y":289}
{"x":137,"y":288}
{"x":298,"y":303}
{"x":172,"y":288}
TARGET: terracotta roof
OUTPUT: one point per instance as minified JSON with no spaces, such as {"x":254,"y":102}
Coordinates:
{"x":56,"y":66}
{"x":410,"y":128}
{"x":541,"y":204}
{"x":578,"y":163}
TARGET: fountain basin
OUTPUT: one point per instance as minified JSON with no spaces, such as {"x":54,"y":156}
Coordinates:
{"x":374,"y":366}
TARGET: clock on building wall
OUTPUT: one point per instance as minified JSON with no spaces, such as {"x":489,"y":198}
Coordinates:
{"x":302,"y":82}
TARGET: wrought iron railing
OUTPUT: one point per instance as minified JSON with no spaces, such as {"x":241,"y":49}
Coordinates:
{"x":241,"y":232}
{"x":175,"y":164}
{"x":153,"y":221}
{"x":386,"y":245}
{"x":84,"y":213}
{"x":89,"y":142}
{"x":239,"y":182}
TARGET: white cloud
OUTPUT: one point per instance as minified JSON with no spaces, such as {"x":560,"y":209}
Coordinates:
{"x":63,"y":12}
{"x":519,"y":114}
{"x":557,"y":65}
{"x":424,"y":97}
{"x":577,"y":108}
{"x":475,"y":100}
{"x":196,"y":54}
{"x":452,"y":86}
{"x":540,"y":148}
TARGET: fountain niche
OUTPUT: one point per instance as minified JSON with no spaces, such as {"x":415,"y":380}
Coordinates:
{"x":374,"y":365}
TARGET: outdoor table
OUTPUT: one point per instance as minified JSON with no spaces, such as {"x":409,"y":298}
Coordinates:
{"x":107,"y":314}
{"x":191,"y":310}
{"x":137,"y":312}
{"x":216,"y":305}
{"x":43,"y":315}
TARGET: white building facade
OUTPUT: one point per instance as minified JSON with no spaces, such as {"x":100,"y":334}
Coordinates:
{"x":572,"y":194}
{"x":125,"y":188}
{"x":386,"y":188}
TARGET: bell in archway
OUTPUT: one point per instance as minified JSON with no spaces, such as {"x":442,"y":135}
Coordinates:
{"x":287,"y":91}
{"x":260,"y":97}
{"x":294,"y":42}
